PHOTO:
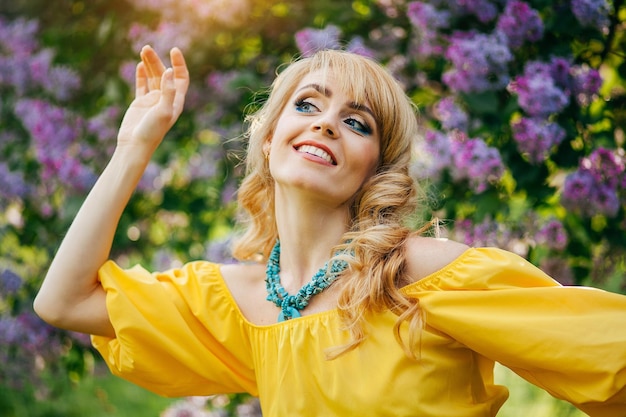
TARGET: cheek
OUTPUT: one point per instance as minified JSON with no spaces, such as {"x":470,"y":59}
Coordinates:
{"x":371,"y":154}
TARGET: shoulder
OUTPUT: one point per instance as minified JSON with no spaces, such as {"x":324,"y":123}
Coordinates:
{"x":425,"y":255}
{"x":243,"y":274}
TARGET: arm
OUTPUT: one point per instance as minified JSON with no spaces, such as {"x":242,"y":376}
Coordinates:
{"x":71,"y":296}
{"x":570,"y":341}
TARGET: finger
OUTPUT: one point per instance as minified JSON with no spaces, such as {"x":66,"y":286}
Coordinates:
{"x":181,"y":78}
{"x":154,"y":66}
{"x":141,"y":80}
{"x":168,"y":92}
{"x":178,"y":64}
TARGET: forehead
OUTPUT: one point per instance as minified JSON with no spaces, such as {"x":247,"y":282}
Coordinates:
{"x":330,"y":83}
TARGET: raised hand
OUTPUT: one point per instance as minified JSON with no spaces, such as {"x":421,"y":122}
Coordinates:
{"x":71,"y":296}
{"x":159,"y":100}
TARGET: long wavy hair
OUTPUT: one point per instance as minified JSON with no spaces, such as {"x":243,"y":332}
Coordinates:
{"x":374,"y":244}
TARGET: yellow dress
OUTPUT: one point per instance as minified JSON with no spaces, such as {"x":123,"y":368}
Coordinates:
{"x":181,"y":333}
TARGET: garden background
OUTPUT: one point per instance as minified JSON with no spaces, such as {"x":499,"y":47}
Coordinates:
{"x":523,"y":105}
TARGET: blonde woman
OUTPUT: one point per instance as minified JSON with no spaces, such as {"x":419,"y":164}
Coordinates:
{"x":338,"y":307}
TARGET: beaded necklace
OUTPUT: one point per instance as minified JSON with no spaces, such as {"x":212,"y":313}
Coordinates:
{"x":290,"y":305}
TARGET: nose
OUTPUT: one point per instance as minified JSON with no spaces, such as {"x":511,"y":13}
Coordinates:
{"x":325,"y":127}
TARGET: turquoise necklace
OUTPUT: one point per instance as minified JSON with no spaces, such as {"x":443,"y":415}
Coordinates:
{"x":290,"y":305}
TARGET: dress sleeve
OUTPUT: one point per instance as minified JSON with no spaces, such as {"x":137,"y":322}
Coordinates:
{"x":177,"y":332}
{"x":570,"y":341}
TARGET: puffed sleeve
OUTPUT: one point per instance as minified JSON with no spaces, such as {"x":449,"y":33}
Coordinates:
{"x":570,"y":341}
{"x":177,"y":332}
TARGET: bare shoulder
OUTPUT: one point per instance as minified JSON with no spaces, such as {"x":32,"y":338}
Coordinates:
{"x":427,"y":255}
{"x":242,"y":274}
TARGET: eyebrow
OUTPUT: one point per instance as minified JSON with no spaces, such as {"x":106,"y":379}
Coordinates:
{"x":327,"y":93}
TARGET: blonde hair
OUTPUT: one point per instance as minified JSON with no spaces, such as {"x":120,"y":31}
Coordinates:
{"x":375,"y":239}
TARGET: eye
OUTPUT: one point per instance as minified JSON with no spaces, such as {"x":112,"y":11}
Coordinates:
{"x":358,"y":126}
{"x":304,"y":106}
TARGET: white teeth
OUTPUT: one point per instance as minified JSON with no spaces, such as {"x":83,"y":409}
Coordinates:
{"x":317,"y":152}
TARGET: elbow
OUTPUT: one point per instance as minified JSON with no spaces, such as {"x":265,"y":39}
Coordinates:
{"x":47,"y":311}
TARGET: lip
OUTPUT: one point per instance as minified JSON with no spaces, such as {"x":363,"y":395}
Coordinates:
{"x":317,"y":145}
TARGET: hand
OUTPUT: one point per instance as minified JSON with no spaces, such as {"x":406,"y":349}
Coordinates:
{"x":159,"y":100}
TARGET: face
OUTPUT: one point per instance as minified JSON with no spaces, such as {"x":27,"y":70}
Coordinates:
{"x":324,"y":143}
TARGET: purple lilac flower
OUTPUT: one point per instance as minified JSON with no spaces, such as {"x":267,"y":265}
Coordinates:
{"x":593,"y":13}
{"x":553,"y":235}
{"x":520,"y":23}
{"x":10,"y":282}
{"x":151,"y":180}
{"x":54,"y":132}
{"x":219,"y":250}
{"x":26,"y":343}
{"x":24,"y":68}
{"x":76,"y":174}
{"x":62,"y":82}
{"x":479,"y":62}
{"x":586,"y":83}
{"x":35,"y":335}
{"x":606,"y":201}
{"x":538,"y":94}
{"x":424,"y":15}
{"x":536,"y":137}
{"x":311,"y":40}
{"x":475,"y":161}
{"x":127,"y":72}
{"x":164,"y":259}
{"x":484,"y":10}
{"x":166,"y":35}
{"x":560,"y":72}
{"x":584,"y":193}
{"x":40,"y":64}
{"x":357,"y":46}
{"x":606,"y":166}
{"x":427,"y":20}
{"x":52,"y":129}
{"x":464,"y":232}
{"x":204,"y":163}
{"x":104,"y":125}
{"x":486,"y":233}
{"x":451,"y":115}
{"x":9,"y":330}
{"x":229,"y":193}
{"x":12,"y":184}
{"x":432,"y":155}
{"x":221,"y":85}
{"x":578,"y":192}
{"x":18,"y":37}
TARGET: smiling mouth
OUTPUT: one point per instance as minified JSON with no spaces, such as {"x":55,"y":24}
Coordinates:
{"x":320,"y":153}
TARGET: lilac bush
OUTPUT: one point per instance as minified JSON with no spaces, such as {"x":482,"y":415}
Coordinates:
{"x":525,"y":81}
{"x":537,"y":92}
{"x":595,"y":187}
{"x":536,"y":137}
{"x":521,"y":103}
{"x":594,"y":13}
{"x":479,"y":62}
{"x":520,"y":23}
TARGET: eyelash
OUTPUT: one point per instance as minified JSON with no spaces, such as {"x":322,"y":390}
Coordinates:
{"x":360,"y":127}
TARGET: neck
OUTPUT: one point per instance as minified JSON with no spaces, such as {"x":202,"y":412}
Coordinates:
{"x":308,"y":230}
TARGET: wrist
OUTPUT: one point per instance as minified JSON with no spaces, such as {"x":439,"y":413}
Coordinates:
{"x":132,"y":156}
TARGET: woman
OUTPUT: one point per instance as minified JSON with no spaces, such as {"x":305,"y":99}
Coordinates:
{"x":391,"y":324}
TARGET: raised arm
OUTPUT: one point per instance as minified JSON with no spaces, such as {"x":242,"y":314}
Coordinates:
{"x":71,"y":296}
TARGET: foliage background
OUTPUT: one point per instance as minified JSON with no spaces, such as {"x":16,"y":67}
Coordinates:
{"x":522,"y":103}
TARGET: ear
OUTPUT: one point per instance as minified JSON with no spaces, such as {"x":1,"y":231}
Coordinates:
{"x":267,"y":145}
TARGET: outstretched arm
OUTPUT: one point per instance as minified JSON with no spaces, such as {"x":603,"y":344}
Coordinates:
{"x":71,"y":296}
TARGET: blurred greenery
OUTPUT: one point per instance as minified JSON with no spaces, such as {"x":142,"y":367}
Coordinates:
{"x":184,"y":208}
{"x":94,"y":395}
